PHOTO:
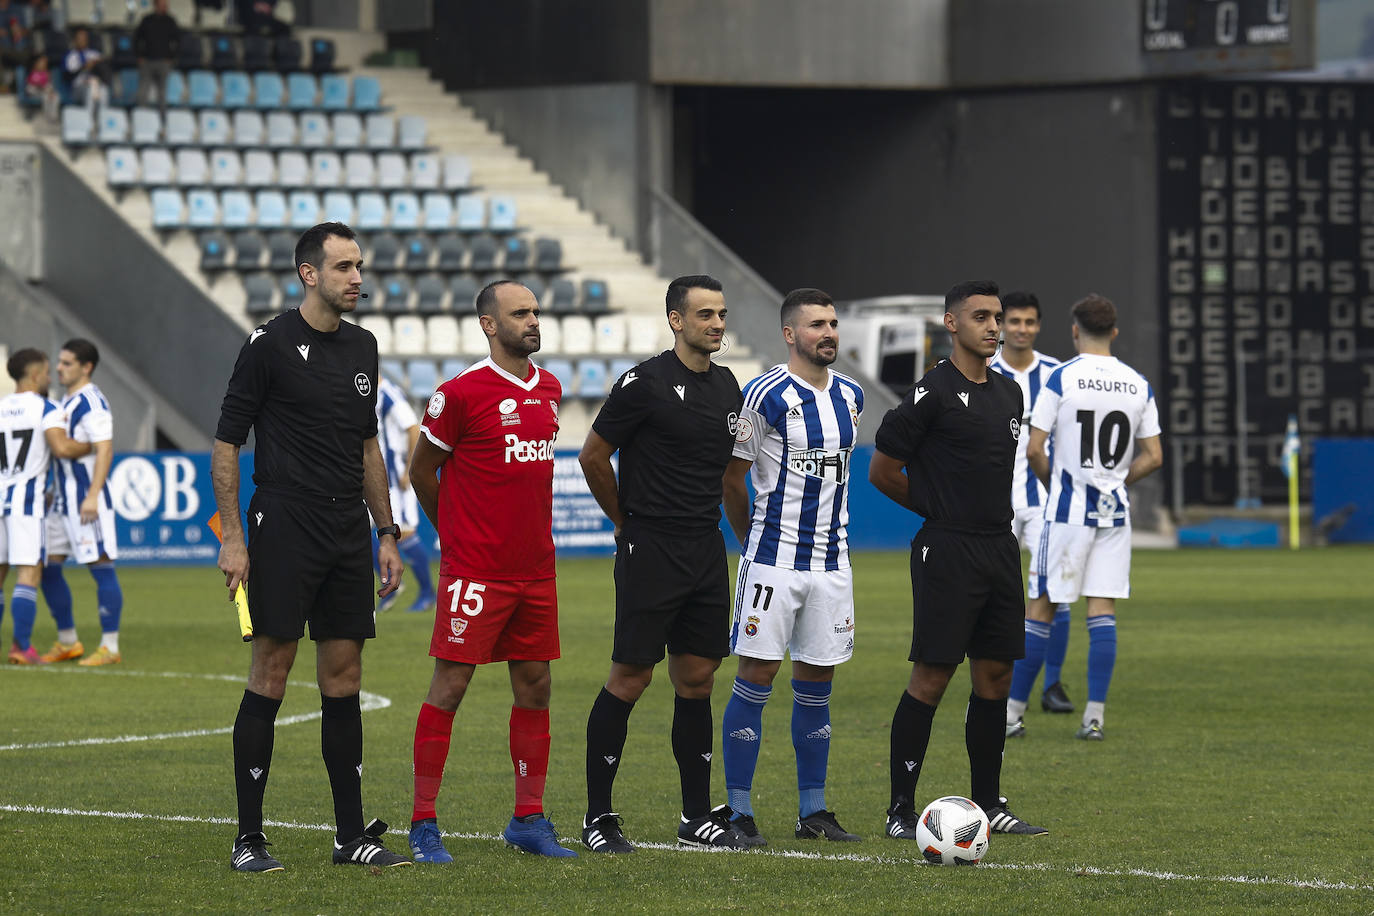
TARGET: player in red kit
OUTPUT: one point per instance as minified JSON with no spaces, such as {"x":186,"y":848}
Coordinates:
{"x":483,"y":472}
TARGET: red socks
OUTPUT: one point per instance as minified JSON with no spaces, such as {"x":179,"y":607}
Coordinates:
{"x":433,"y":729}
{"x":529,"y":753}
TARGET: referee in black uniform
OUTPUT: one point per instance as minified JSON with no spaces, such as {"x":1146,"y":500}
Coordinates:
{"x":307,"y":381}
{"x":946,"y":452}
{"x":673,"y":419}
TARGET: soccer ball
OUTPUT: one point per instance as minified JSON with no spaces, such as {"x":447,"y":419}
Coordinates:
{"x":953,"y":831}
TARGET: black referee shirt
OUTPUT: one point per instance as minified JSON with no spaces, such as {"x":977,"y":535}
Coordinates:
{"x":957,"y":439}
{"x":675,"y":430}
{"x":312,"y":396}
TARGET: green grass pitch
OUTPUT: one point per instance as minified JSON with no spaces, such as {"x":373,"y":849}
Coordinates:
{"x":1235,"y":774}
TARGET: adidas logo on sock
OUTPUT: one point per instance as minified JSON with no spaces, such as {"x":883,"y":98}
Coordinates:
{"x":747,"y":734}
{"x":822,"y":733}
{"x":255,"y":772}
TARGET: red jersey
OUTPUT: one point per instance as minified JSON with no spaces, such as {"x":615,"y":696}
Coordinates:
{"x":496,"y":488}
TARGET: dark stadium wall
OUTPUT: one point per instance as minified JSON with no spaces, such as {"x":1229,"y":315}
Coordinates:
{"x":117,"y":282}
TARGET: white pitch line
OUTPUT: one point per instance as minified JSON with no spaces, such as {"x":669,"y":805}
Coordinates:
{"x":1298,"y":883}
{"x":367,"y":701}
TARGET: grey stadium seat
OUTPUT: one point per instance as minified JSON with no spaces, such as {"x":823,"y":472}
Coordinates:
{"x":249,"y":246}
{"x":281,"y":251}
{"x":484,"y":251}
{"x":261,"y":290}
{"x":429,"y":291}
{"x":386,"y":247}
{"x":452,"y":251}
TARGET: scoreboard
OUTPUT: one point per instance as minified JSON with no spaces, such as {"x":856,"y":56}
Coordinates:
{"x":1200,"y":36}
{"x":1266,"y":250}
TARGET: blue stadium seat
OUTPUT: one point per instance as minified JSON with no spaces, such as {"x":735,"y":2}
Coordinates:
{"x":236,"y":89}
{"x":226,"y":168}
{"x":457,"y":172}
{"x":562,"y":370}
{"x":305,"y":209}
{"x":314,"y":128}
{"x":113,"y":127}
{"x":595,"y":297}
{"x":452,"y":368}
{"x":593,"y":378}
{"x":411,"y":132}
{"x":301,"y":90}
{"x":371,"y":211}
{"x":381,"y":131}
{"x":214,"y":251}
{"x":175,"y":89}
{"x":393,"y":369}
{"x":360,"y":169}
{"x":202,"y":89}
{"x":281,"y":129}
{"x":125,"y":91}
{"x":259,"y":168}
{"x":367,"y":94}
{"x":271,"y":208}
{"x":260,"y":293}
{"x":214,"y":127}
{"x":293,"y":169}
{"x":248,"y":248}
{"x":179,"y":128}
{"x":424,"y":379}
{"x":620,"y":366}
{"x":405,"y":211}
{"x":156,"y":167}
{"x":326,"y":171}
{"x":145,"y":126}
{"x":348,"y":130}
{"x":192,"y":166}
{"x":338,"y":207}
{"x":121,"y":167}
{"x":472,"y":213}
{"x":248,"y":128}
{"x":517,"y":254}
{"x":425,"y":171}
{"x":202,"y":208}
{"x":391,"y":171}
{"x":292,"y":290}
{"x":501,"y":215}
{"x":268,"y":90}
{"x":167,"y":208}
{"x":236,"y":209}
{"x":438,"y":210}
{"x":333,"y":92}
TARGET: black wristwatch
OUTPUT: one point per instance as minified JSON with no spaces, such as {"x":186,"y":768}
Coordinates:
{"x":393,"y":530}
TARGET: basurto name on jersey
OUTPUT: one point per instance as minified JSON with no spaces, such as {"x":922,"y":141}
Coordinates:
{"x":1107,"y":385}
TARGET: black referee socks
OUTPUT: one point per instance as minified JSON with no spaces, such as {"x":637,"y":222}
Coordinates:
{"x":253,"y":756}
{"x":607,"y":725}
{"x":341,"y":745}
{"x":692,"y":737}
{"x":985,"y":736}
{"x":910,"y":737}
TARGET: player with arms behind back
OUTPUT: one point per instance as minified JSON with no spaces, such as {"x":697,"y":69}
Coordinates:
{"x":483,"y":472}
{"x":397,"y":432}
{"x":1105,"y":424}
{"x":794,"y":592}
{"x":1047,"y":632}
{"x":946,"y":452}
{"x":32,"y":430}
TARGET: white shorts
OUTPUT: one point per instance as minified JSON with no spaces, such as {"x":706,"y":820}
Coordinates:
{"x":405,"y":508}
{"x":21,"y":540}
{"x":1080,"y":560}
{"x":68,"y":537}
{"x":807,"y":614}
{"x":1026,"y":525}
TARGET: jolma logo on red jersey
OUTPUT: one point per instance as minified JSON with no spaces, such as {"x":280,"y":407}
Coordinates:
{"x":523,"y":450}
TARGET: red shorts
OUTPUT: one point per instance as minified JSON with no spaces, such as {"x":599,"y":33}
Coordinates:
{"x":479,"y":622}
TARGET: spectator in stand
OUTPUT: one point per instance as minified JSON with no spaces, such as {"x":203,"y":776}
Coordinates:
{"x":39,"y":83}
{"x":44,"y":18}
{"x":16,"y":49}
{"x":85,"y":69}
{"x":155,"y":43}
{"x":259,"y":17}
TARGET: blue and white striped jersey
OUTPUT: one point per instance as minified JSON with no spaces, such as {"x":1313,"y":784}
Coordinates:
{"x":800,"y":441}
{"x":1095,"y":407}
{"x":1026,"y":488}
{"x":25,"y":418}
{"x":88,"y":419}
{"x":395,"y":417}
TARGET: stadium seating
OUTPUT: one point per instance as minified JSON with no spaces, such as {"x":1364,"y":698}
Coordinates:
{"x":236,"y":210}
{"x":429,"y":298}
{"x":338,"y":207}
{"x":286,"y":54}
{"x":305,"y":209}
{"x":452,"y":368}
{"x":146,"y":126}
{"x":611,"y":333}
{"x":321,"y":55}
{"x":501,"y":215}
{"x":416,"y":253}
{"x":425,"y":171}
{"x":301,"y":91}
{"x":213,"y":128}
{"x":269,"y":91}
{"x":179,"y":128}
{"x":293,"y":169}
{"x":516,"y":254}
{"x":167,"y":208}
{"x":423,"y":379}
{"x":249,"y":247}
{"x":562,"y":296}
{"x":77,"y":126}
{"x":474,"y":339}
{"x":367,"y":94}
{"x":386,"y":248}
{"x":483,"y":252}
{"x":202,"y":208}
{"x":202,"y":89}
{"x":281,"y":250}
{"x":550,"y":335}
{"x":257,"y":53}
{"x":236,"y":89}
{"x":578,"y":335}
{"x":452,"y":251}
{"x":562,"y":370}
{"x":214,"y":251}
{"x":271,"y":209}
{"x":157,"y":169}
{"x":192,"y":167}
{"x":121,"y":167}
{"x":408,"y":335}
{"x":224,"y":54}
{"x":595,"y":297}
{"x":462,"y":291}
{"x":249,"y":129}
{"x":261,"y":293}
{"x":396,"y":289}
{"x":548,"y":255}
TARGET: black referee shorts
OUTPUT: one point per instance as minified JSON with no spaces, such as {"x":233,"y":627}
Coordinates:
{"x":672,"y":591}
{"x":309,"y":562}
{"x":966,"y":597}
